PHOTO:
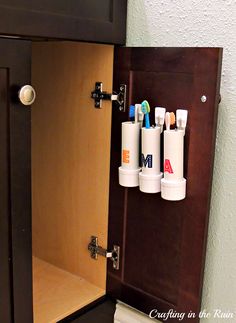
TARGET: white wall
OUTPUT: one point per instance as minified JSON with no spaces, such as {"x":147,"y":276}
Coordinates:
{"x":204,"y":23}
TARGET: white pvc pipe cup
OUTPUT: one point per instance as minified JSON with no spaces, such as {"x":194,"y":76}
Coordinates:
{"x":129,"y":169}
{"x":150,"y":176}
{"x":173,"y":185}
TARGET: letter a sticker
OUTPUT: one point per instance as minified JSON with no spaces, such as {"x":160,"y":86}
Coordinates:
{"x":167,"y":167}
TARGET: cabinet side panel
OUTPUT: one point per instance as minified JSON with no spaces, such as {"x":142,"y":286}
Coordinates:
{"x":70,"y":155}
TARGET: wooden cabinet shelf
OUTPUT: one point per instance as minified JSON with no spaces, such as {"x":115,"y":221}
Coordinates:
{"x":58,"y":293}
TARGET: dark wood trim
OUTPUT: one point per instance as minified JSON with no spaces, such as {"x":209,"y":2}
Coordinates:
{"x":102,"y":312}
{"x":5,"y":242}
{"x":214,"y":130}
{"x":84,"y":310}
{"x":18,"y":21}
{"x":16,"y":57}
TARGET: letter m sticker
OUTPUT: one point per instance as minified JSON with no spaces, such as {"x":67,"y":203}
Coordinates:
{"x":146,"y":162}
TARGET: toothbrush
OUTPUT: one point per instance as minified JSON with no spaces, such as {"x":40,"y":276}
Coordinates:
{"x":140,"y":114}
{"x":181,"y":119}
{"x":160,"y":117}
{"x":136,"y":113}
{"x":169,"y":120}
{"x":132,"y":112}
{"x":146,"y":109}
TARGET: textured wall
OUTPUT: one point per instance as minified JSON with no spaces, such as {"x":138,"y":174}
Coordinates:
{"x":204,"y":23}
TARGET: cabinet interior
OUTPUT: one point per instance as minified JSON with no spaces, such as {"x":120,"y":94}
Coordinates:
{"x":70,"y":175}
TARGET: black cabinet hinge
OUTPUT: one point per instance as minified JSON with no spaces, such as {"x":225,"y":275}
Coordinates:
{"x":113,"y":255}
{"x":119,"y":98}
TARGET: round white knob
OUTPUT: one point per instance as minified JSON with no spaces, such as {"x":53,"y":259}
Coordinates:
{"x":27,"y":95}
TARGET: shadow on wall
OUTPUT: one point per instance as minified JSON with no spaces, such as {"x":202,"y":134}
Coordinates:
{"x":141,"y":37}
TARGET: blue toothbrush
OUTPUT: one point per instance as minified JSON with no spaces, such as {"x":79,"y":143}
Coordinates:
{"x":131,"y":111}
{"x":146,"y":109}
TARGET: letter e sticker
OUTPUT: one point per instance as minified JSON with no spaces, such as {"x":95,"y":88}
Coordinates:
{"x":125,"y":156}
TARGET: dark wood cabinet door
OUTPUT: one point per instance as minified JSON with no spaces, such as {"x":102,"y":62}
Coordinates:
{"x":15,"y":190}
{"x":163,"y":243}
{"x":101,"y":21}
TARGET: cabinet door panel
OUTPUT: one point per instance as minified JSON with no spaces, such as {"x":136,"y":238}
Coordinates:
{"x":163,"y":243}
{"x":90,"y":20}
{"x":15,"y":59}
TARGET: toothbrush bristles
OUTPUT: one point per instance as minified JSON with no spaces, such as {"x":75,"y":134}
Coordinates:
{"x":172,"y":118}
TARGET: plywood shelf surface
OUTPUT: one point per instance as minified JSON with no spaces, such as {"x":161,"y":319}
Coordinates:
{"x":58,"y":293}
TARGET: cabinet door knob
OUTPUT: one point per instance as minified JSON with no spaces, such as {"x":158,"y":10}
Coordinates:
{"x":27,"y":95}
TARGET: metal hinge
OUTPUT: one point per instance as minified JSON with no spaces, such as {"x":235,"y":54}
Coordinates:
{"x":119,"y":98}
{"x":96,"y":250}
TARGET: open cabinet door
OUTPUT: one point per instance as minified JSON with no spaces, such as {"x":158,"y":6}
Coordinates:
{"x":163,"y":243}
